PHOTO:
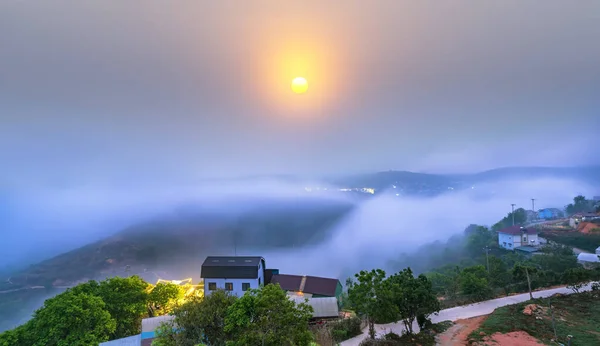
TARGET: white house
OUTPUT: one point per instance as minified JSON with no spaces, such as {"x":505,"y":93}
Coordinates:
{"x":517,"y":236}
{"x":235,"y":274}
{"x":598,"y":250}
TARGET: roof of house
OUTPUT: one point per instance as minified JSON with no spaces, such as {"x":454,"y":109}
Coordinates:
{"x":516,"y":230}
{"x":322,"y":307}
{"x":313,"y":284}
{"x":231,"y":267}
{"x":128,"y":341}
{"x":588,"y":257}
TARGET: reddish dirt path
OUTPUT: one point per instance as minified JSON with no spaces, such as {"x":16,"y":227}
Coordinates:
{"x":457,"y":334}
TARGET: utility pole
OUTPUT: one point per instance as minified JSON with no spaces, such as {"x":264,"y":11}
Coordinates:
{"x":513,"y":213}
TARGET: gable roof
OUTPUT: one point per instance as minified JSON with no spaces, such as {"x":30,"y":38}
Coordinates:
{"x":517,"y":230}
{"x":588,"y":257}
{"x":312,"y":284}
{"x":322,"y":307}
{"x":231,"y":267}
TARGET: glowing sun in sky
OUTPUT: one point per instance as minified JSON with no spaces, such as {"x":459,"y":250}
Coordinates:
{"x":299,"y":85}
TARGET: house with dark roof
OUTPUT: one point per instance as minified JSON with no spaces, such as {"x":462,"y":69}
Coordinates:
{"x":513,"y":237}
{"x":234,"y":274}
{"x":308,"y":286}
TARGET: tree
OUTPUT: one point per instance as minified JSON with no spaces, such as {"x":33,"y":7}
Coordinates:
{"x":71,"y":318}
{"x":580,"y":204}
{"x":524,"y":271}
{"x":163,"y":298}
{"x":200,"y":320}
{"x":479,"y":239}
{"x":575,"y":278}
{"x":556,"y":258}
{"x":125,"y":298}
{"x":267,"y":316}
{"x":499,"y":275}
{"x":411,"y":297}
{"x":520,"y":217}
{"x":474,"y":282}
{"x":367,"y":297}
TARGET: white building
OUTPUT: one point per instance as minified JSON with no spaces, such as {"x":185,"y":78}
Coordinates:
{"x":517,"y":236}
{"x":598,"y":250}
{"x":235,"y":274}
{"x":589,"y":260}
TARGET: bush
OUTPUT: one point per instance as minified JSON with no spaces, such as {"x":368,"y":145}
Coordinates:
{"x":346,"y":328}
{"x":378,"y":342}
{"x":392,"y":336}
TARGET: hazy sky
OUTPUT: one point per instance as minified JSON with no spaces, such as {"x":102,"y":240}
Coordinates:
{"x":103,"y":91}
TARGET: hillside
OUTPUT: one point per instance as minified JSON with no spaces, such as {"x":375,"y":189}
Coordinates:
{"x":170,"y":247}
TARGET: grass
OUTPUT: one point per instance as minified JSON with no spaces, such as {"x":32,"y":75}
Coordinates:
{"x":577,"y":315}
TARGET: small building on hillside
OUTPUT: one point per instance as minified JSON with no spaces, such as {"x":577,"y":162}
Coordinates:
{"x":323,"y":308}
{"x":309,"y":286}
{"x":598,"y":250}
{"x":589,"y":260}
{"x":516,"y":236}
{"x":234,"y":274}
{"x":575,"y":219}
{"x":549,"y":213}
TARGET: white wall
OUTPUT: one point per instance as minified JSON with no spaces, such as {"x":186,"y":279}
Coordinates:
{"x":506,"y":241}
{"x":237,"y":285}
{"x":510,"y":242}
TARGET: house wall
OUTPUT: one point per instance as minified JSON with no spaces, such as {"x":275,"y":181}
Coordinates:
{"x":532,"y":239}
{"x":237,"y":283}
{"x":506,"y":241}
{"x":510,"y":242}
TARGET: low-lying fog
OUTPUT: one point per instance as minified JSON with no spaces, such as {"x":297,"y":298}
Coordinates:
{"x":377,"y":229}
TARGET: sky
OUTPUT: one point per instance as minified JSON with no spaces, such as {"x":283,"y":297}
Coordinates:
{"x":105,"y":92}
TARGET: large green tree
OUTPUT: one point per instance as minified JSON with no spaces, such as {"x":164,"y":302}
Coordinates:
{"x":126,"y":299}
{"x":163,"y":298}
{"x":520,"y":218}
{"x":474,"y":282}
{"x":580,"y":204}
{"x":199,"y":320}
{"x":480,"y":238}
{"x":71,"y":319}
{"x":499,"y":275}
{"x":411,"y":297}
{"x":368,"y":297}
{"x":267,"y":316}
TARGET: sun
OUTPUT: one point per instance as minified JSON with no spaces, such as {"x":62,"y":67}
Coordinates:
{"x":299,"y":85}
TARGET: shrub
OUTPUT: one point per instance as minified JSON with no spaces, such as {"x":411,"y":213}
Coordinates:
{"x":347,"y":328}
{"x":392,"y":336}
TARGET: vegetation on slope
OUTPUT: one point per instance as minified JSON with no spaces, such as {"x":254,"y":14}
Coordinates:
{"x":576,"y":314}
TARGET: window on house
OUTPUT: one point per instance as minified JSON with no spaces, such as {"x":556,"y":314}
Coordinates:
{"x":228,"y":286}
{"x":258,"y":281}
{"x":504,"y":243}
{"x":212,"y":286}
{"x":245,"y":286}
